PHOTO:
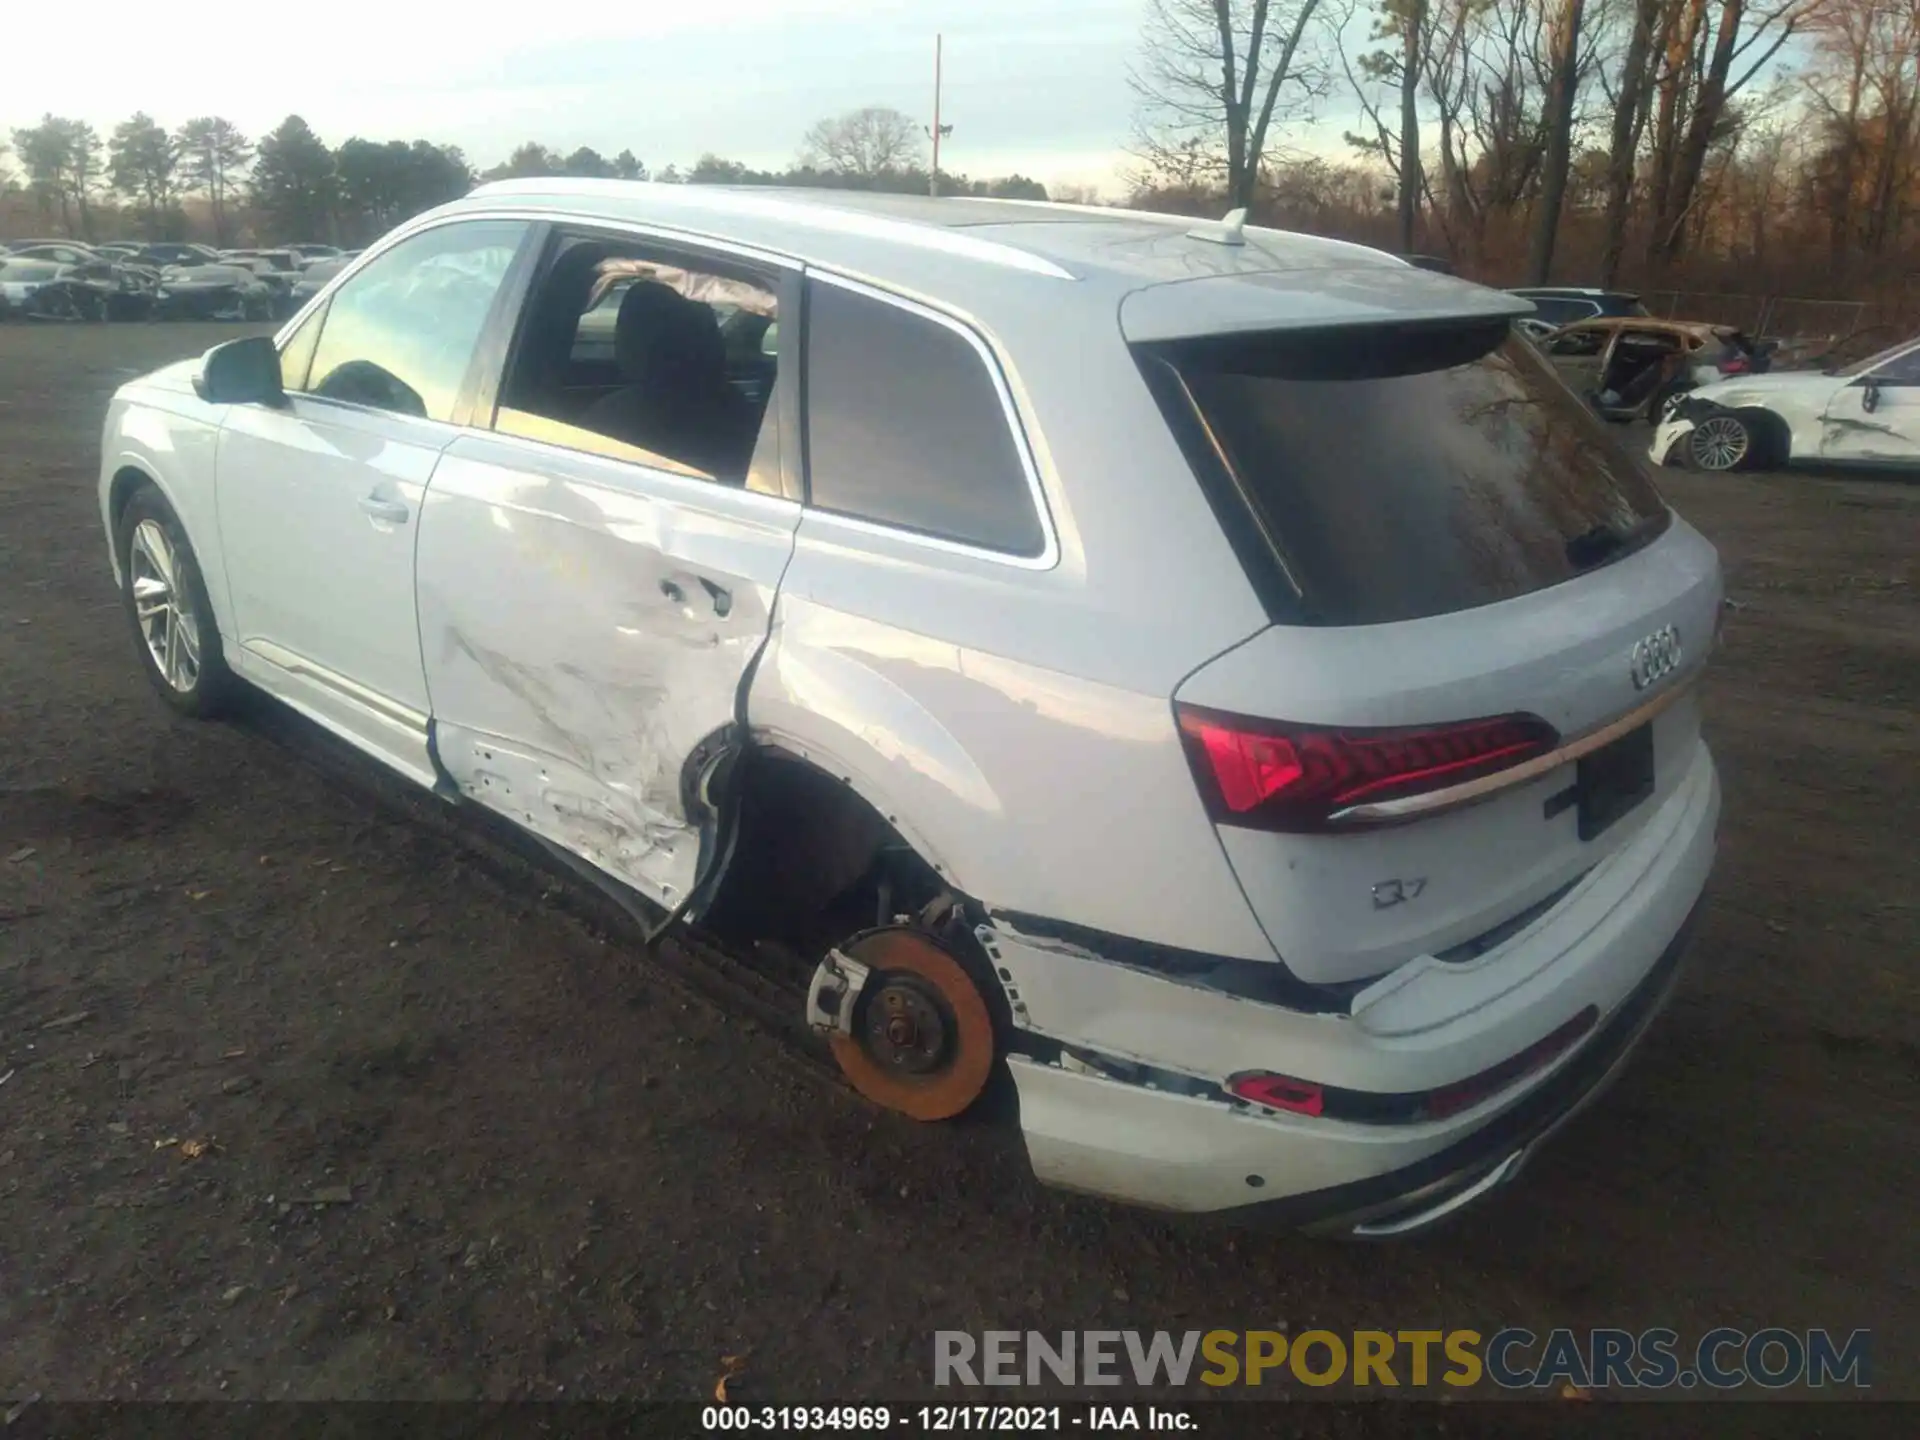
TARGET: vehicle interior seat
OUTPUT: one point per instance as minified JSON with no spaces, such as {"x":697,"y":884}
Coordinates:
{"x":1638,"y":369}
{"x":540,"y":379}
{"x":676,"y":400}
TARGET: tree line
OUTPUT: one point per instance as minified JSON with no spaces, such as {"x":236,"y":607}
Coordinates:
{"x":206,"y":178}
{"x":1594,"y":141}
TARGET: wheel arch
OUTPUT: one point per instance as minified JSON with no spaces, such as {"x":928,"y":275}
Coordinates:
{"x":1771,"y":427}
{"x":805,"y":833}
{"x":192,"y":503}
{"x":1767,"y":426}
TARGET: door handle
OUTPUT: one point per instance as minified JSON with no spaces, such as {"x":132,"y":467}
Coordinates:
{"x":393,"y":511}
{"x":719,"y":596}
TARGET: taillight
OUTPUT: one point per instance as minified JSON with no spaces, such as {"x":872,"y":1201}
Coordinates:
{"x":1734,"y":365}
{"x":1279,"y":1092}
{"x":1270,"y":775}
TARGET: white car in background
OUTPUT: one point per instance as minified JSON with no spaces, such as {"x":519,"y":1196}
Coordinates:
{"x":1219,"y":678}
{"x":1866,"y":413}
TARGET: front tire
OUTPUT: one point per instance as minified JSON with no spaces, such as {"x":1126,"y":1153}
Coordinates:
{"x":1722,"y":443}
{"x":166,"y":604}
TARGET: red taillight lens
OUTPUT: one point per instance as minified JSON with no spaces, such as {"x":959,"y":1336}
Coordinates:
{"x":1734,"y":365}
{"x":1280,"y":1092}
{"x":1293,"y":777}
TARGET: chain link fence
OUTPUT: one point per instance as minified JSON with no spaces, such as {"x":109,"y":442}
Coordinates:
{"x":1805,"y":329}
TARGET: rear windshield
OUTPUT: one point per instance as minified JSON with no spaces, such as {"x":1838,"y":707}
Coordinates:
{"x":1386,"y":474}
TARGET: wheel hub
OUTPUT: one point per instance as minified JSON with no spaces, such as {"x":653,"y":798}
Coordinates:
{"x":906,"y":1028}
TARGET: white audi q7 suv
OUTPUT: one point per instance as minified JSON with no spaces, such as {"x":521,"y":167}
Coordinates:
{"x":1216,"y":677}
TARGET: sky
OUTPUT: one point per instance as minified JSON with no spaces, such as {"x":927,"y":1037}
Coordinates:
{"x":1036,"y":87}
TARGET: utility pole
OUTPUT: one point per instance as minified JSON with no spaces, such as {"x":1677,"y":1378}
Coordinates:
{"x":933,"y":179}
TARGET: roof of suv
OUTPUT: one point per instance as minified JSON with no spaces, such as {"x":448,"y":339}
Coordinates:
{"x":976,"y":252}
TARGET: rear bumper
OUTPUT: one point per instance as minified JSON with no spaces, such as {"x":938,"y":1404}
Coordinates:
{"x":1615,"y":944}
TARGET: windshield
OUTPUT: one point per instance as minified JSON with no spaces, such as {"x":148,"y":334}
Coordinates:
{"x":1399,"y":473}
{"x":1874,"y":362}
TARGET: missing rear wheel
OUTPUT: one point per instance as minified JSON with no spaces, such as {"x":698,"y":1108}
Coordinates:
{"x":922,"y":1039}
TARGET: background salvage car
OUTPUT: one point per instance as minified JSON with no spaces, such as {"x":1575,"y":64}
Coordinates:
{"x":214,"y":292}
{"x":61,"y":252}
{"x":94,"y":290}
{"x":278,"y":280}
{"x":1566,"y":304}
{"x":313,"y":279}
{"x":1866,"y":413}
{"x":1630,"y":368}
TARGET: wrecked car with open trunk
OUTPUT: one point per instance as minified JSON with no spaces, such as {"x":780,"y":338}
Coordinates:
{"x":1220,"y":679}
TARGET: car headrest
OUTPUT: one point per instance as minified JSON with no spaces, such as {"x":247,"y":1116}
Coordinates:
{"x":663,"y":339}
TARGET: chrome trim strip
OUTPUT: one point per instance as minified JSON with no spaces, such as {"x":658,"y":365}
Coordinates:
{"x":1049,"y":555}
{"x":697,"y":491}
{"x":1471,"y":790}
{"x":387,"y":709}
{"x":532,"y":213}
{"x":1420,"y":1219}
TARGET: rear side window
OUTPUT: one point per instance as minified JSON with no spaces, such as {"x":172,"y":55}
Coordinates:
{"x":1563,"y":312}
{"x":906,"y":428}
{"x":1388,"y":475}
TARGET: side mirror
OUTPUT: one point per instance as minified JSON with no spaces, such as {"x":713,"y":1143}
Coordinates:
{"x":1869,"y":396}
{"x":241,"y":372}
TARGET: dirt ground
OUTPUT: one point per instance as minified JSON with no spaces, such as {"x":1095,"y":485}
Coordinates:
{"x":462,"y":1140}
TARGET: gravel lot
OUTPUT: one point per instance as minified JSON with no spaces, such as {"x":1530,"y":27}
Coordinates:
{"x":462,"y":1140}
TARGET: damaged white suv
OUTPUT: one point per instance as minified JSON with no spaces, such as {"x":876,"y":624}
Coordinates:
{"x":1217,"y":676}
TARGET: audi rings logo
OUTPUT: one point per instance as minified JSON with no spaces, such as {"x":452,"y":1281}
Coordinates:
{"x":1655,"y":657}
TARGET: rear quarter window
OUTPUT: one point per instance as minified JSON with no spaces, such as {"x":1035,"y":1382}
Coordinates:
{"x":1395,"y":474}
{"x":906,"y":427}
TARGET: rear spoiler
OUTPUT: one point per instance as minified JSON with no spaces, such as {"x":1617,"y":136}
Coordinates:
{"x":1313,"y":299}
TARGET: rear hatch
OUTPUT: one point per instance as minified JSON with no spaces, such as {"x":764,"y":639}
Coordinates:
{"x":1469,"y":579}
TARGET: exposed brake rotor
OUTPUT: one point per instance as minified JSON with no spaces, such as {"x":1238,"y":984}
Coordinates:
{"x":920,"y":1038}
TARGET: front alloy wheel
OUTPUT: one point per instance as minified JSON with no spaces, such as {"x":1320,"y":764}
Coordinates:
{"x":166,"y":621}
{"x":1720,"y":443}
{"x":166,"y":602}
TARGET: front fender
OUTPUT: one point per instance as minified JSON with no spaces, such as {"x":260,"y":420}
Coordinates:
{"x":173,"y":444}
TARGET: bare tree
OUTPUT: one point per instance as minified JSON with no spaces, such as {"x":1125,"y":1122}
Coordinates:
{"x":144,"y":162}
{"x":1629,"y":99}
{"x":1864,"y":79}
{"x":46,"y":152}
{"x":1712,"y":50}
{"x":1563,"y":82}
{"x":1214,"y":77}
{"x":1400,"y":67}
{"x":1074,"y":193}
{"x":864,"y":143}
{"x":214,"y":156}
{"x":1487,"y":81}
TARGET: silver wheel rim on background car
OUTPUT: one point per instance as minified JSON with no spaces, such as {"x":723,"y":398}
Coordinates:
{"x":164,"y":613}
{"x":1720,"y":442}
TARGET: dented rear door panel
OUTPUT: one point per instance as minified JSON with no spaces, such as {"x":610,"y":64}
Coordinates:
{"x":585,"y":625}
